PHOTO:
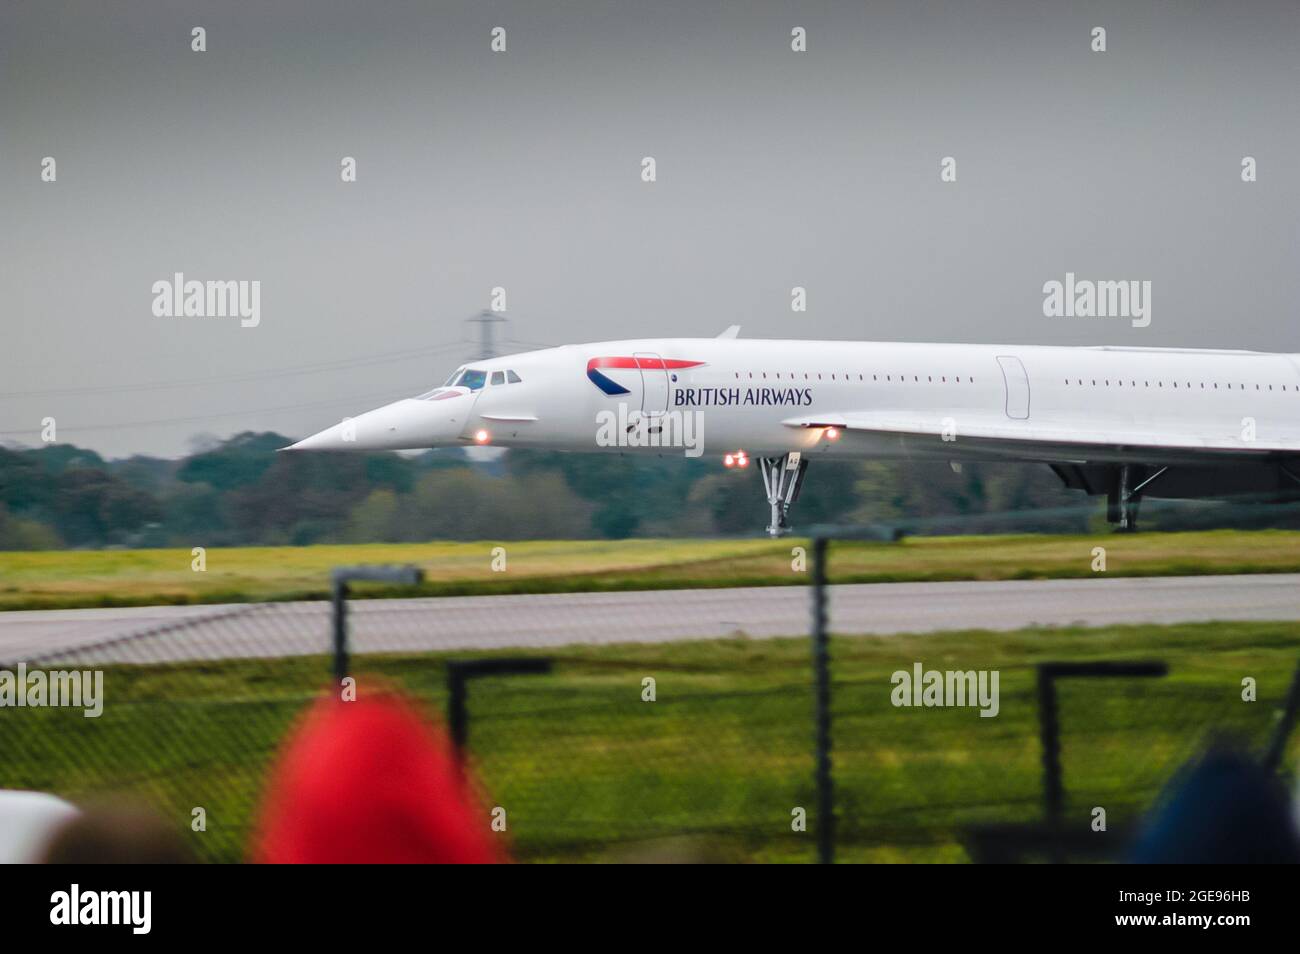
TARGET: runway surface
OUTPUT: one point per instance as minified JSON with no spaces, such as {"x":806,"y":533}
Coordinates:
{"x":484,"y":622}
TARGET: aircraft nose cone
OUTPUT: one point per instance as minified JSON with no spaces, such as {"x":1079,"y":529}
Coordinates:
{"x":402,"y":425}
{"x":332,"y":438}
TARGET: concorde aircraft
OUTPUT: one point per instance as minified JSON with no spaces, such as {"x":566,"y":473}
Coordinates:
{"x":1121,"y":421}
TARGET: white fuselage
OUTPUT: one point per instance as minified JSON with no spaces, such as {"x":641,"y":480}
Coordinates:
{"x":767,"y":397}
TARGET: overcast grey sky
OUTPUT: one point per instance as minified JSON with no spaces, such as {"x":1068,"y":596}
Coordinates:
{"x":523,"y":169}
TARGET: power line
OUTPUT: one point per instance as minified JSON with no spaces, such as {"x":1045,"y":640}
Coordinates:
{"x":244,"y":375}
{"x":164,"y":422}
{"x":487,"y":321}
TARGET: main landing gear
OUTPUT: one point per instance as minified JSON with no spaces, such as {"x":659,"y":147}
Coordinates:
{"x":1125,"y":494}
{"x":782,"y":478}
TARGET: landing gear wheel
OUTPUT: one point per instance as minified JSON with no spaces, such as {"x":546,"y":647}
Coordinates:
{"x":782,"y":479}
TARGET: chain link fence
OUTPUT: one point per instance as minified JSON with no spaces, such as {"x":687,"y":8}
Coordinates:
{"x":676,"y":725}
{"x":1085,"y":728}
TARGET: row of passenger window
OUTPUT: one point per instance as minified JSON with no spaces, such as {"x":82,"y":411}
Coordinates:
{"x":958,"y":379}
{"x":834,"y":376}
{"x":1119,"y":383}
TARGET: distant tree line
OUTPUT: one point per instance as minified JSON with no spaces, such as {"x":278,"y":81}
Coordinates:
{"x":243,"y":492}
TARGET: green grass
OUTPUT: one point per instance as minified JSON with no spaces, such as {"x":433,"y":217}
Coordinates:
{"x":714,"y":766}
{"x":68,"y":578}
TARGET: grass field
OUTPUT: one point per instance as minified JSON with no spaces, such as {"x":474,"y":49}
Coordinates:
{"x":714,"y":767}
{"x":68,"y":578}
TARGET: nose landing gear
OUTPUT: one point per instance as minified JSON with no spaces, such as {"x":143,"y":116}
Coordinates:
{"x":782,"y":478}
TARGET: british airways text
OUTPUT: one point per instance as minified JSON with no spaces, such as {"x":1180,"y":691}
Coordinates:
{"x":724,"y":397}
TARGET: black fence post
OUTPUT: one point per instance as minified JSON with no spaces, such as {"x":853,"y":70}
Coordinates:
{"x":457,"y":708}
{"x":340,"y":577}
{"x":822,"y":707}
{"x":1049,"y":730}
{"x":1049,"y":733}
{"x":339,"y":602}
{"x":461,"y":671}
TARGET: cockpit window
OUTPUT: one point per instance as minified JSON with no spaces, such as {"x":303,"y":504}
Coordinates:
{"x":465,"y":378}
{"x":512,"y":377}
{"x":472,"y":379}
